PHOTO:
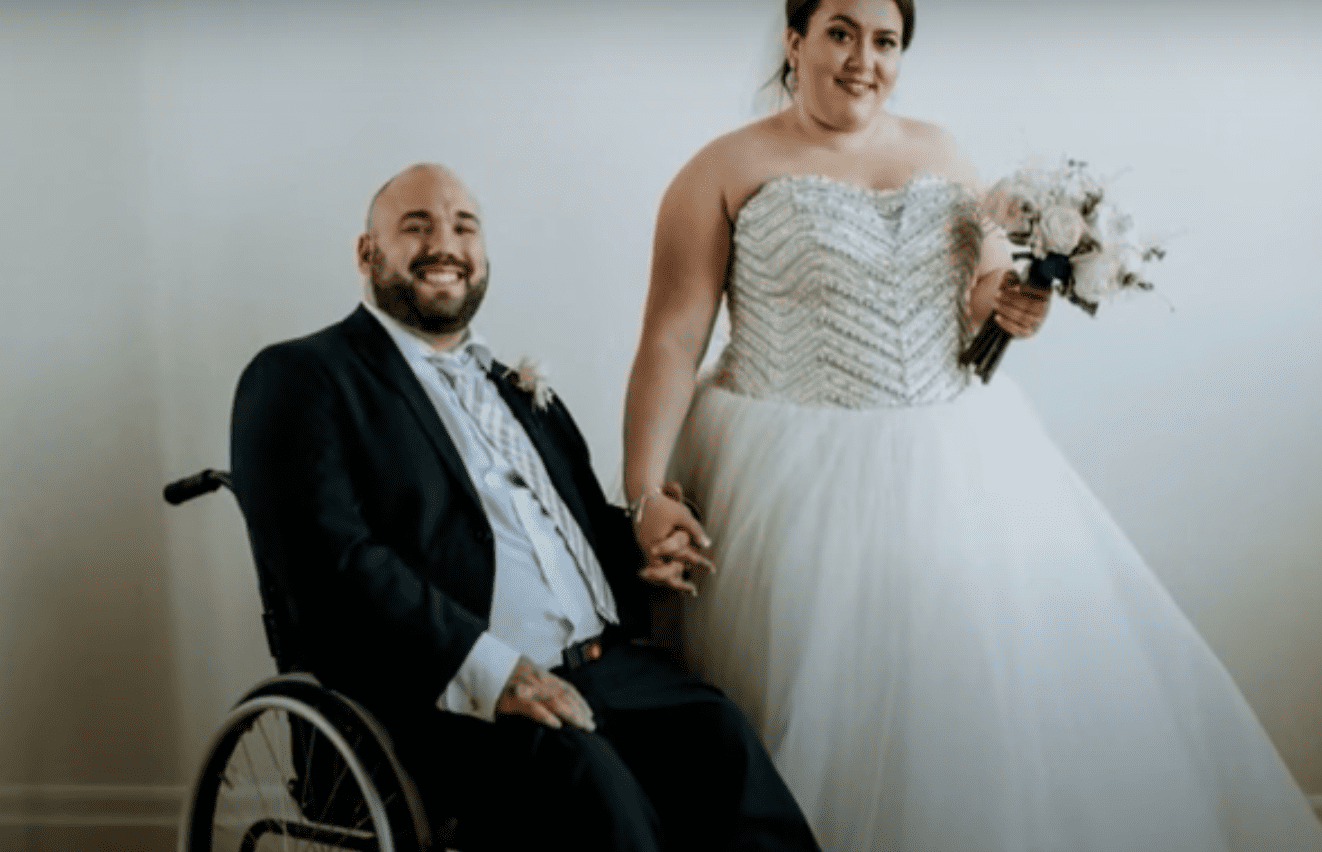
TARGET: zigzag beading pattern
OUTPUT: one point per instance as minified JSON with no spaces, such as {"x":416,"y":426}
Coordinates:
{"x":850,"y":297}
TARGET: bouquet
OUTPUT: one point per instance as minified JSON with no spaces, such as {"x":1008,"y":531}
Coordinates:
{"x":1071,"y":240}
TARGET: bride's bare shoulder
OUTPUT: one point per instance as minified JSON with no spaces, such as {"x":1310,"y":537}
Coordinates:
{"x":731,"y":164}
{"x":739,"y":149}
{"x":936,"y":151}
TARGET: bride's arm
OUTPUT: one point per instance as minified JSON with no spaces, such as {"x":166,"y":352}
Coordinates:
{"x":689,"y":258}
{"x":994,"y":287}
{"x":993,"y":265}
{"x":1019,"y":309}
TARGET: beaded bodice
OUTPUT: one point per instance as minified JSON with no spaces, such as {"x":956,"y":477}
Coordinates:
{"x":850,"y":297}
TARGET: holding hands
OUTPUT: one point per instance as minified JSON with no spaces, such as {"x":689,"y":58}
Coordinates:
{"x":671,"y":539}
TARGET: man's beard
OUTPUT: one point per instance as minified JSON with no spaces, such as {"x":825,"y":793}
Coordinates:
{"x":397,"y":296}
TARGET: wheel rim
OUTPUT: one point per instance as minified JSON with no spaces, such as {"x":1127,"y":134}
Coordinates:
{"x":280,"y":776}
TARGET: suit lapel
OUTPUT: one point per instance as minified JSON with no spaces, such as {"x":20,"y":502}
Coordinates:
{"x":558,"y":467}
{"x":374,"y":346}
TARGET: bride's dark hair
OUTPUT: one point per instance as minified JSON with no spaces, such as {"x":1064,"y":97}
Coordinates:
{"x":799,"y":12}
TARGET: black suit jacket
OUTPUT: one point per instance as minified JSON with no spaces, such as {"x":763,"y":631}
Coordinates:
{"x":364,"y":521}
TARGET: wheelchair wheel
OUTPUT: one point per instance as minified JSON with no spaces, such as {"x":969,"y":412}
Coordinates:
{"x":296,"y":766}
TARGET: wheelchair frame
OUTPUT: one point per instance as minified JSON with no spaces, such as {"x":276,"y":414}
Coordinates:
{"x":294,"y":705}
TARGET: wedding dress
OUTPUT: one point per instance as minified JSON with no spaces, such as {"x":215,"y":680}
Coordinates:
{"x":945,"y":641}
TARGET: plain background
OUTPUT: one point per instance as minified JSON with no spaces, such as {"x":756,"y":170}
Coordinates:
{"x":181,"y":183}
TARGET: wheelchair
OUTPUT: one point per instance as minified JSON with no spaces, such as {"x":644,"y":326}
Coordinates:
{"x":296,"y":765}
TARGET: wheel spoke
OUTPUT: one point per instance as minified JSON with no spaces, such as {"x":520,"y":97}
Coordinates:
{"x":251,"y":786}
{"x":335,"y":788}
{"x":247,"y":757}
{"x":385,"y":803}
{"x":281,"y":723}
{"x":310,"y":744}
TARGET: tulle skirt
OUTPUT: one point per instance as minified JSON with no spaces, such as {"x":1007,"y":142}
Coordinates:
{"x":948,"y":645}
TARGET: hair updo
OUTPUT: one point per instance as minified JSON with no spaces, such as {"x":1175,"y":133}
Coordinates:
{"x":799,"y":12}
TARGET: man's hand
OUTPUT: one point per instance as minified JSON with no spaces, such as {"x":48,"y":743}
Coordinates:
{"x":1020,"y":309}
{"x":678,"y":574}
{"x":672,"y":539}
{"x":544,"y":698}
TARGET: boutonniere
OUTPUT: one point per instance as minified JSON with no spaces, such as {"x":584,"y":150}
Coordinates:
{"x":529,"y":377}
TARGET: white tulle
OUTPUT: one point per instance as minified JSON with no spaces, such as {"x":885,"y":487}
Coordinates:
{"x":948,"y":646}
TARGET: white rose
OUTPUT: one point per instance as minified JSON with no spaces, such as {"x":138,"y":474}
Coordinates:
{"x":1060,"y":229}
{"x":531,"y":378}
{"x":1011,"y":205}
{"x":1096,"y":276}
{"x":1081,"y":191}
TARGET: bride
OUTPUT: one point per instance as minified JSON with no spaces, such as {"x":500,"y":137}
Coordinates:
{"x":945,"y":641}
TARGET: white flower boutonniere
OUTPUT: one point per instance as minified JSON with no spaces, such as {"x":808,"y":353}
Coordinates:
{"x":531,"y":378}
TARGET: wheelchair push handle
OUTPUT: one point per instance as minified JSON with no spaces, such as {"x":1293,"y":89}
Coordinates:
{"x":204,"y":482}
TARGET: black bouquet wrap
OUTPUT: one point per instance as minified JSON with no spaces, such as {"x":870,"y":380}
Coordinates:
{"x":1044,"y":274}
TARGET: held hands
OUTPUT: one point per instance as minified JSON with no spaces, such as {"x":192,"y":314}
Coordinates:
{"x":672,"y":540}
{"x":544,"y":698}
{"x":1020,"y":309}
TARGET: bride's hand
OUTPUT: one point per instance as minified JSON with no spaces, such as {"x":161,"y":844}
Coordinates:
{"x":672,"y":540}
{"x":1020,"y":309}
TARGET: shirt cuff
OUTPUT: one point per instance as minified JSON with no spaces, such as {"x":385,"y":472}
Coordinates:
{"x":476,"y":687}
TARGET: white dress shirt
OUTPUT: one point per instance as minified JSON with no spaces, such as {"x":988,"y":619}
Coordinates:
{"x":540,"y":604}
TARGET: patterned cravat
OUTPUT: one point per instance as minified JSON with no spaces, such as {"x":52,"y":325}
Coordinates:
{"x":482,"y":401}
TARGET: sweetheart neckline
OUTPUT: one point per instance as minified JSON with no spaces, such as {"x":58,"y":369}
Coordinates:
{"x":816,"y":177}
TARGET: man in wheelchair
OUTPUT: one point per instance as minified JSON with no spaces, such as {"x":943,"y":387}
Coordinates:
{"x":445,"y":556}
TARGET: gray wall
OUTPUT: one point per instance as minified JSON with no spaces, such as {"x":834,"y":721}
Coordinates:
{"x":181,"y":183}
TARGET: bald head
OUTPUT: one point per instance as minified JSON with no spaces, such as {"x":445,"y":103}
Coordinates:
{"x":433,"y":172}
{"x":423,"y":255}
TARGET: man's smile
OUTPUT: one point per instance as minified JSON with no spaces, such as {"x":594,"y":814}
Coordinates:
{"x":441,"y":275}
